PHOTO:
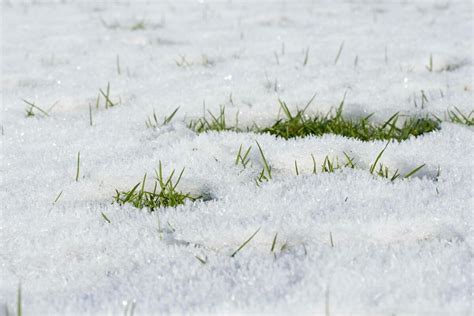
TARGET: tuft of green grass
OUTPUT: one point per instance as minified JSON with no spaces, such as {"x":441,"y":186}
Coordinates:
{"x":245,"y":243}
{"x":216,"y":122}
{"x":152,"y":121}
{"x":164,"y":194}
{"x":457,"y":116}
{"x":300,"y":125}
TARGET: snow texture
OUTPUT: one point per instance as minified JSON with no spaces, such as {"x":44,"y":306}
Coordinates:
{"x":402,"y":247}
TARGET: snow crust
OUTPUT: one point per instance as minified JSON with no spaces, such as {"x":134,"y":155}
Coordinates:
{"x":398,"y":248}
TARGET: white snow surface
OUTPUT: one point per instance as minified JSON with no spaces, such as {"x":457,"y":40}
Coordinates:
{"x":402,"y":247}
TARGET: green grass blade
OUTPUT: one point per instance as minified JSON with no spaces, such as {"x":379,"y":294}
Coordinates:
{"x":274,"y":242}
{"x":18,"y":301}
{"x":372,"y":167}
{"x":78,"y":165}
{"x":245,"y":243}
{"x":105,"y":217}
{"x":409,"y":174}
{"x":265,"y":162}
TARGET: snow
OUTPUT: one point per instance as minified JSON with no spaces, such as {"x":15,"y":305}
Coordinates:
{"x":402,"y":247}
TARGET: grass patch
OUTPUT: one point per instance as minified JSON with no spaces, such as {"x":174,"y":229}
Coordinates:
{"x":164,"y":193}
{"x":299,"y":124}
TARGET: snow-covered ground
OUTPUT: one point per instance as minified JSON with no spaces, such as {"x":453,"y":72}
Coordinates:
{"x":402,"y":247}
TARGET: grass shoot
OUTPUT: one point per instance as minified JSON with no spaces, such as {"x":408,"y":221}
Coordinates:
{"x":245,"y":243}
{"x":78,"y":166}
{"x":153,"y":122}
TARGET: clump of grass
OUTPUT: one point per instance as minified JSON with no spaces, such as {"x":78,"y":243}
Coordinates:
{"x":216,"y":122}
{"x":457,"y":116}
{"x":164,"y":193}
{"x":300,"y":125}
{"x":153,"y":122}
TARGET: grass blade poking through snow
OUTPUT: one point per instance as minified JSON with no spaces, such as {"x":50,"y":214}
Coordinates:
{"x":18,"y":302}
{"x":78,"y":165}
{"x":266,"y":173}
{"x":243,"y":159}
{"x":274,"y":242}
{"x":372,"y":167}
{"x":245,"y":243}
{"x":457,"y":116}
{"x":57,"y":197}
{"x":409,"y":174}
{"x":29,"y":112}
{"x":105,"y":217}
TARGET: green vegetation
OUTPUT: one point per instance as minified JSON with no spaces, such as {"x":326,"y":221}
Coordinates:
{"x":153,"y":122}
{"x":107,"y":98}
{"x":329,"y":165}
{"x":458,"y":117}
{"x":266,"y":173}
{"x":244,"y":243}
{"x":216,"y":122}
{"x":299,"y":124}
{"x":30,"y":111}
{"x":164,"y":193}
{"x":78,"y":165}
